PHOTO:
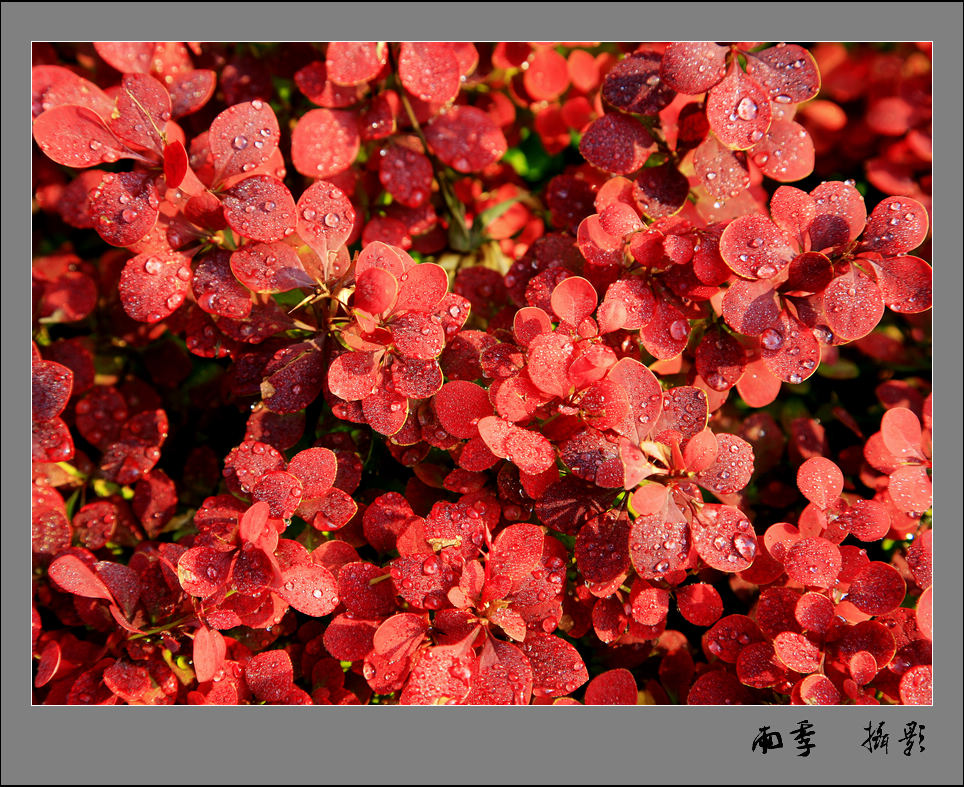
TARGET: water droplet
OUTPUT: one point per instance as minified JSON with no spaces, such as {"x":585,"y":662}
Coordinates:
{"x":747,"y":108}
{"x":308,"y":214}
{"x":430,"y":566}
{"x":772,"y":339}
{"x":745,"y":545}
{"x":316,"y":593}
{"x":175,"y":300}
{"x":765,"y":271}
{"x":796,"y":378}
{"x":240,"y":142}
{"x":332,"y":219}
{"x":679,"y":329}
{"x":257,"y":103}
{"x":711,"y":176}
{"x":128,"y":214}
{"x":783,"y":99}
{"x":662,"y":566}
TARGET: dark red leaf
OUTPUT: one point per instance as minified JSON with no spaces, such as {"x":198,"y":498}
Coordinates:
{"x":616,"y":143}
{"x":466,"y":138}
{"x":634,"y":85}
{"x":660,"y":191}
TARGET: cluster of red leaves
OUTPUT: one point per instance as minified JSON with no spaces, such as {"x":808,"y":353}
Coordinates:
{"x":230,"y":402}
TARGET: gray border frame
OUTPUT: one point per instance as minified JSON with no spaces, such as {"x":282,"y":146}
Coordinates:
{"x":399,"y":745}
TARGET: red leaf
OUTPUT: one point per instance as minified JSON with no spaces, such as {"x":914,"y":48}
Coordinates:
{"x":723,"y":172}
{"x":311,"y":589}
{"x":724,"y":538}
{"x":905,"y":283}
{"x":755,"y":248}
{"x":124,"y":207}
{"x":143,"y":110}
{"x":406,"y":174}
{"x":267,"y":267}
{"x":316,"y":469}
{"x":853,"y":304}
{"x":202,"y":570}
{"x":916,"y":686}
{"x":738,"y":110}
{"x":841,"y":215}
{"x":72,"y":575}
{"x":693,"y":67}
{"x":788,"y":72}
{"x":820,"y":481}
{"x":573,"y":300}
{"x":659,"y":543}
{"x":270,"y":675}
{"x":786,"y":152}
{"x":429,"y":71}
{"x":209,"y":652}
{"x":325,"y":217}
{"x":757,"y":667}
{"x":77,"y":137}
{"x":353,"y":63}
{"x":51,"y":387}
{"x":353,"y":376}
{"x":422,"y":287}
{"x":547,"y":75}
{"x":700,"y":604}
{"x":613,"y":687}
{"x":910,"y":489}
{"x":416,"y":335}
{"x":660,"y":191}
{"x":516,"y":552}
{"x":385,"y":411}
{"x":260,"y":208}
{"x":814,"y":562}
{"x":789,"y":349}
{"x":557,"y":667}
{"x":242,"y":137}
{"x":325,"y":142}
{"x":877,"y":589}
{"x":897,"y":225}
{"x":153,"y":286}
